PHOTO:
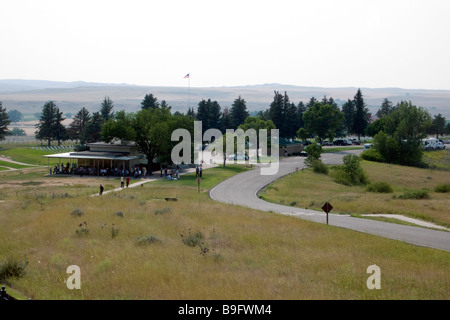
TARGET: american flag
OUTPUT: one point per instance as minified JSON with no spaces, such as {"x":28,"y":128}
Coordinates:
{"x":186,"y":76}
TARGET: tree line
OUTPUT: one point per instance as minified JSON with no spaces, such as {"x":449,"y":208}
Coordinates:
{"x":151,"y":127}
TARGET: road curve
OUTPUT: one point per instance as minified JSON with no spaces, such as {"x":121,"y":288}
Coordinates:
{"x":243,"y":189}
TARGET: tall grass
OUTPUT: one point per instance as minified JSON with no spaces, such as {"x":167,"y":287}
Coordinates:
{"x":251,"y":254}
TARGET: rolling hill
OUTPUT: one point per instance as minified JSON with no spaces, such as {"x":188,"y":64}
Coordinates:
{"x":28,"y":96}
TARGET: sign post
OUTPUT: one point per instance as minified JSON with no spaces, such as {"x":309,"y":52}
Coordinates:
{"x":327,"y":207}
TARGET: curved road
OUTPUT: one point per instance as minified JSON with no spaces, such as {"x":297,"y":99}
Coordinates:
{"x":243,"y":188}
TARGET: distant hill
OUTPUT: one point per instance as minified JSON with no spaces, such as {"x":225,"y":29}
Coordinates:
{"x":28,"y":96}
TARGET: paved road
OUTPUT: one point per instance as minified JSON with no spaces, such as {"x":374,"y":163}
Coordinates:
{"x":242,"y":190}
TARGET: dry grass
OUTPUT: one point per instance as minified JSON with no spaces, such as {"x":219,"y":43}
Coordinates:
{"x":251,"y":254}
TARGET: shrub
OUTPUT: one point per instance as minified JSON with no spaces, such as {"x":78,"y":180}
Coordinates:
{"x":443,"y":188}
{"x":12,"y":268}
{"x":380,"y":187}
{"x":163,"y":210}
{"x":192,"y":240}
{"x":351,"y":172}
{"x":416,"y":194}
{"x":119,"y":214}
{"x":146,"y":240}
{"x":314,"y":152}
{"x":83,"y":229}
{"x":77,"y":213}
{"x":320,"y":167}
{"x":372,"y":155}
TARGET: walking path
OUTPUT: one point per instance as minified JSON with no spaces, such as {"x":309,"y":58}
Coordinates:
{"x":156,"y":175}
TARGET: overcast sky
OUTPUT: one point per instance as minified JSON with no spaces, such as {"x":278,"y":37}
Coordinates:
{"x":326,"y":43}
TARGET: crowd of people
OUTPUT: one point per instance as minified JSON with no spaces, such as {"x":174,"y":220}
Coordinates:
{"x":137,"y":172}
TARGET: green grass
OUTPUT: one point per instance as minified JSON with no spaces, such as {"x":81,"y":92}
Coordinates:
{"x":210,"y":177}
{"x":439,"y":159}
{"x":28,"y":155}
{"x":338,"y":149}
{"x":12,"y":165}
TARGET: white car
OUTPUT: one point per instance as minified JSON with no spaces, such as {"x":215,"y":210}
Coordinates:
{"x":440,"y":146}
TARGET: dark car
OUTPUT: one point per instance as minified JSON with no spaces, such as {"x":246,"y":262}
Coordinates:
{"x":339,"y":142}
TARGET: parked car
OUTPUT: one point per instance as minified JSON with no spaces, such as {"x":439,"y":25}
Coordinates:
{"x":342,"y":142}
{"x":303,"y":154}
{"x":326,"y":143}
{"x":367,"y":146}
{"x":440,"y":146}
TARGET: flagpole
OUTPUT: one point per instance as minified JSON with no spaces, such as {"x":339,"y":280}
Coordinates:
{"x":189,"y":91}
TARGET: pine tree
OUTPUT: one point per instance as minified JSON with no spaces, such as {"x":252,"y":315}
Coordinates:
{"x":59,"y":130}
{"x":311,"y":103}
{"x":276,"y":112}
{"x":149,"y":102}
{"x":301,"y":109}
{"x":225,"y":120}
{"x":191,"y":113}
{"x":385,"y":109}
{"x":203,"y":114}
{"x":238,"y":112}
{"x":94,"y":128}
{"x":361,"y":118}
{"x":214,"y":114}
{"x":106,"y":109}
{"x":348,"y":109}
{"x":46,"y":122}
{"x":79,"y":125}
{"x":4,"y":122}
{"x":291,"y":122}
{"x":208,"y":112}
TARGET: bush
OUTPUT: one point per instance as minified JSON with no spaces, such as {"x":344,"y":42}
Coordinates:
{"x":147,"y":240}
{"x":12,"y":269}
{"x":192,"y":240}
{"x":320,"y":167}
{"x":350,"y":173}
{"x":119,"y":214}
{"x":416,"y":194}
{"x":380,"y":187}
{"x":372,"y":155}
{"x":314,"y":152}
{"x":443,"y":188}
{"x":163,"y":210}
{"x":77,"y":213}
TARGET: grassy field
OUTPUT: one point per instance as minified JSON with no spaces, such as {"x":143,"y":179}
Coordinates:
{"x":133,"y":245}
{"x":27,"y":155}
{"x":310,"y":190}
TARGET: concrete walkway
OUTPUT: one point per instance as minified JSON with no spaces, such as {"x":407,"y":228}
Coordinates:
{"x":156,"y":175}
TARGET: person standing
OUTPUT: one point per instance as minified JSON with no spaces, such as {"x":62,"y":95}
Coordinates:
{"x":101,"y":189}
{"x":128,"y":181}
{"x":121,"y":181}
